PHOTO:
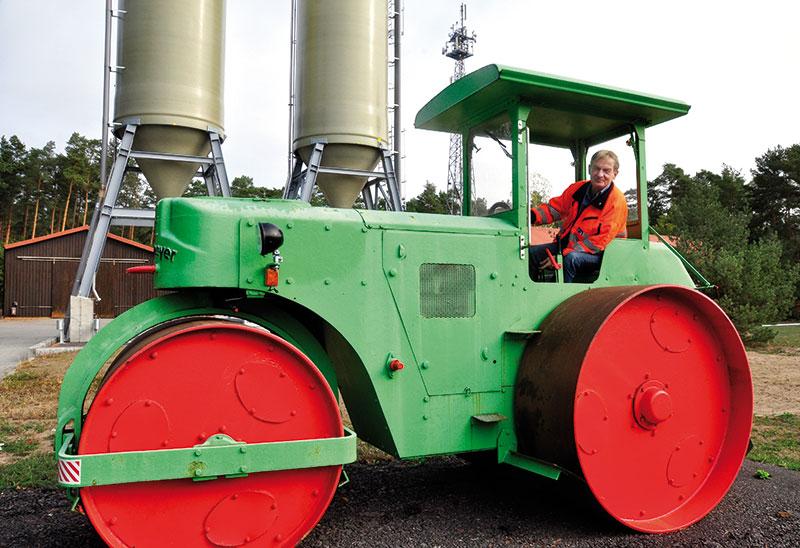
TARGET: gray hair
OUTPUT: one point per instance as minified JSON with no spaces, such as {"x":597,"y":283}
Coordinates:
{"x":600,"y":154}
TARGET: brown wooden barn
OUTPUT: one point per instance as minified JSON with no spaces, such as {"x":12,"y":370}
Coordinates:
{"x":39,"y":274}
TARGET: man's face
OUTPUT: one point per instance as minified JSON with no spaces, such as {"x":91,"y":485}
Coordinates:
{"x":603,"y":173}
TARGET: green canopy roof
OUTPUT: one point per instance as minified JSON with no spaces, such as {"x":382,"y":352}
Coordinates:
{"x":564,"y":111}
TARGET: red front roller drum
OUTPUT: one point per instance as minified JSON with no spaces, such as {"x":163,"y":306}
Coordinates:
{"x":184,"y":383}
{"x":646,"y":393}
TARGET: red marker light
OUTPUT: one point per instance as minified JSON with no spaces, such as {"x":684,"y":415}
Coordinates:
{"x":271,"y":277}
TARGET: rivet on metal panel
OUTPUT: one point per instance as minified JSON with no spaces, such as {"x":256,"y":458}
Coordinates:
{"x":426,"y":364}
{"x":289,"y":281}
{"x":493,"y":275}
{"x":154,"y":355}
{"x":393,"y":272}
{"x":327,"y":281}
{"x":289,"y":225}
{"x":327,"y":228}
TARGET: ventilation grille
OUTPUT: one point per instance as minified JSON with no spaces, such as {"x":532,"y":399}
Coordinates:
{"x":446,"y":290}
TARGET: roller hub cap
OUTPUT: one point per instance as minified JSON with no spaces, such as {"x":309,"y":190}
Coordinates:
{"x":652,"y":405}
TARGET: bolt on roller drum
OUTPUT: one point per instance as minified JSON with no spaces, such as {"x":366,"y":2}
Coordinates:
{"x":171,"y":80}
{"x":178,"y":386}
{"x":646,"y":393}
{"x":342,"y":86}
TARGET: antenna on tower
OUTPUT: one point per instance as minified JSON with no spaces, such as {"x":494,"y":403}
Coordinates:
{"x":458,"y":48}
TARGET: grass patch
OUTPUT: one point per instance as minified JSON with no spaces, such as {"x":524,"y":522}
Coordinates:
{"x":28,"y":407}
{"x":34,"y":471}
{"x":776,"y":440}
{"x":786,"y":335}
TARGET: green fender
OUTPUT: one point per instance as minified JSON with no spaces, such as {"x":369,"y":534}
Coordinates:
{"x":89,"y":361}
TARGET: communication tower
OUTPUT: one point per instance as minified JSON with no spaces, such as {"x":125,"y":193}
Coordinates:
{"x":458,"y":48}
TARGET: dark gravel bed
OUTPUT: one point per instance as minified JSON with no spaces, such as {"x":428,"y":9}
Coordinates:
{"x":446,"y":503}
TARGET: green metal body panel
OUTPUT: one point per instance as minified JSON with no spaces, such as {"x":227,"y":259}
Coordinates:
{"x":450,"y":297}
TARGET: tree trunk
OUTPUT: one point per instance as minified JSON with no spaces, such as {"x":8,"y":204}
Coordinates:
{"x":86,"y":201}
{"x":36,"y":211}
{"x":75,"y":209}
{"x":66,"y":208}
{"x":25,"y":222}
{"x":53,"y":217}
{"x":8,"y":229}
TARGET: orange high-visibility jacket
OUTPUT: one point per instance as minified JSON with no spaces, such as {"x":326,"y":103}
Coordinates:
{"x":602,"y":220}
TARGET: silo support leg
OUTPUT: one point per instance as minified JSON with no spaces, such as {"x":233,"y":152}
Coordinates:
{"x":95,"y":243}
{"x":216,"y":175}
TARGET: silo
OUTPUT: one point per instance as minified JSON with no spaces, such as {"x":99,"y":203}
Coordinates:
{"x":172,"y":54}
{"x":341,"y":72}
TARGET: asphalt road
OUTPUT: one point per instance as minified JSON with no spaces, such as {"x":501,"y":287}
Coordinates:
{"x":446,"y":503}
{"x":19,"y":334}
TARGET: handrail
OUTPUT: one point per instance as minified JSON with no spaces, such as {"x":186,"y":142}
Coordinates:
{"x":687,"y":264}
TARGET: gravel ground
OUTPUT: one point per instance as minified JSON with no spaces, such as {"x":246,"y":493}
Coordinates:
{"x":447,"y":503}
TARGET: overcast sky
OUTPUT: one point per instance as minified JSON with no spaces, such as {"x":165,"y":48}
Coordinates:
{"x":736,"y":63}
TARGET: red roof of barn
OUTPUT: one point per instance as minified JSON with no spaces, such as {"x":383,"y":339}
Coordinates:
{"x":72,"y":231}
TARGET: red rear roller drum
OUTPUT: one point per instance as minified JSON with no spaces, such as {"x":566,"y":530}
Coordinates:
{"x":646,"y":393}
{"x":184,"y":383}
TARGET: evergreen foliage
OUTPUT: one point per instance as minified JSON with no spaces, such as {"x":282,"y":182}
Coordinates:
{"x":710,"y":215}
